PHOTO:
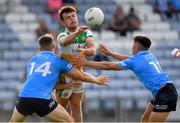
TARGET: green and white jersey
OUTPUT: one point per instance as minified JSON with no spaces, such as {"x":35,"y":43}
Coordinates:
{"x":79,"y":42}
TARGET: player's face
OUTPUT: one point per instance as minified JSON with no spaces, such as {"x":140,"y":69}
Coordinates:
{"x":70,"y":20}
{"x":135,"y":48}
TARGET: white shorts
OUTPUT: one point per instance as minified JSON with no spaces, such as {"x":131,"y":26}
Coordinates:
{"x":66,"y":93}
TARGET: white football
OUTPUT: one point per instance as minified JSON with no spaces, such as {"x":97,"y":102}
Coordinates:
{"x":94,"y":16}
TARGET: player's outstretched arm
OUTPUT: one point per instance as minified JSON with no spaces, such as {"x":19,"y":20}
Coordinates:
{"x":66,"y":40}
{"x":104,"y":65}
{"x":115,"y":55}
{"x":80,"y":75}
{"x":90,"y":50}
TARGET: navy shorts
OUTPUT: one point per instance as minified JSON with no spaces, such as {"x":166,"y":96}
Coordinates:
{"x":42,"y":107}
{"x":166,"y":99}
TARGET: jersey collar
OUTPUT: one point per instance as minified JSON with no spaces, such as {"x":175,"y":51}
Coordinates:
{"x":68,"y":31}
{"x":47,"y":52}
{"x":143,"y":52}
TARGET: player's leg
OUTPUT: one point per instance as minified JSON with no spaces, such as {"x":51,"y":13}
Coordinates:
{"x":62,"y":98}
{"x":65,"y":103}
{"x":62,"y":101}
{"x":59,"y":114}
{"x":147,"y":113}
{"x":76,"y":106}
{"x":164,"y":103}
{"x":17,"y":117}
{"x":22,"y":109}
{"x":158,"y":116}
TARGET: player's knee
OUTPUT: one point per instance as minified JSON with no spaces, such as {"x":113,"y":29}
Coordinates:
{"x":10,"y":120}
{"x":144,"y":118}
{"x":70,"y":119}
{"x":16,"y":120}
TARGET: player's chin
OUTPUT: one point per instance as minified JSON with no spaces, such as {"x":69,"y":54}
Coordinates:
{"x":73,"y":25}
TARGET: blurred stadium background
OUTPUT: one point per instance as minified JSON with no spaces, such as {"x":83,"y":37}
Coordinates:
{"x":124,"y":99}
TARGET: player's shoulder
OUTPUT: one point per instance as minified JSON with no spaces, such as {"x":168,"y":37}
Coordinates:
{"x":64,"y":62}
{"x":88,"y":33}
{"x":35,"y":57}
{"x":56,"y":57}
{"x":59,"y":58}
{"x":132,"y":57}
{"x":63,"y":32}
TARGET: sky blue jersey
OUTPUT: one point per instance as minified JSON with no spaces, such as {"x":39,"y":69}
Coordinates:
{"x":43,"y":72}
{"x":147,"y":69}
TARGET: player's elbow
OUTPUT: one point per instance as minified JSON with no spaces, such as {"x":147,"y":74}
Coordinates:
{"x":62,"y":43}
{"x":82,"y":76}
{"x":107,"y":66}
{"x":93,"y":52}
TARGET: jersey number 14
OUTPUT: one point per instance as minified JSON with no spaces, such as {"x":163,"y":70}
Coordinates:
{"x":44,"y":68}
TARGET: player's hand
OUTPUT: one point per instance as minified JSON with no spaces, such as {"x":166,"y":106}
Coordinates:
{"x":81,"y":52}
{"x":105,"y":50}
{"x":176,"y":52}
{"x":78,"y":61}
{"x":74,"y":84}
{"x":103,"y":80}
{"x":82,"y":29}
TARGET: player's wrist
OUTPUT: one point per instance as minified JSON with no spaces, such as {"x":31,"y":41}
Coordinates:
{"x":111,"y":53}
{"x":83,"y":51}
{"x":85,"y":63}
{"x":77,"y":32}
{"x":98,"y":81}
{"x":69,"y":85}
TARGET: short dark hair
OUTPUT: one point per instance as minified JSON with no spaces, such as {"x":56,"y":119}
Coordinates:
{"x":66,"y":9}
{"x":46,"y":41}
{"x":144,"y":41}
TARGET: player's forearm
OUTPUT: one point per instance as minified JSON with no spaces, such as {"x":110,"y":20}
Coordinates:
{"x":119,"y":56}
{"x":69,"y":39}
{"x":99,"y":65}
{"x":90,"y":51}
{"x":88,"y":78}
{"x":83,"y":76}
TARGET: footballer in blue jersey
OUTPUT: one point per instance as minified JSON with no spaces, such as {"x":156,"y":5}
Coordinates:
{"x":43,"y":71}
{"x":149,"y":72}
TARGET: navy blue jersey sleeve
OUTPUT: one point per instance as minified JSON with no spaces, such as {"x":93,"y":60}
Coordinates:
{"x":66,"y":66}
{"x":126,"y":64}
